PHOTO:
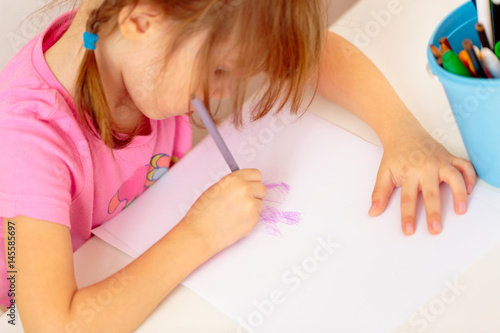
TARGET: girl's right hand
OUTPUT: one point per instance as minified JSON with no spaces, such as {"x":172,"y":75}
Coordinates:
{"x":229,"y":210}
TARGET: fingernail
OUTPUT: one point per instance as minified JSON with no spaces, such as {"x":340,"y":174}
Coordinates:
{"x":436,"y":226}
{"x":409,"y":229}
{"x":373,"y":207}
{"x":470,"y":187}
{"x":462,"y":207}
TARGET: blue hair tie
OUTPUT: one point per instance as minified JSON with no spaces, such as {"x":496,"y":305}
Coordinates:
{"x":89,"y":40}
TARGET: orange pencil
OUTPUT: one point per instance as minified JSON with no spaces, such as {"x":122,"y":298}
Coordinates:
{"x":464,"y":57}
{"x":469,"y":47}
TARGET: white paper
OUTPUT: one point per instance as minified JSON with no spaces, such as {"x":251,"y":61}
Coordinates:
{"x":338,"y":269}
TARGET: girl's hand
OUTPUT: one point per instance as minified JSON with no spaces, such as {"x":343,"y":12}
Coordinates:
{"x":419,"y":163}
{"x":229,"y":210}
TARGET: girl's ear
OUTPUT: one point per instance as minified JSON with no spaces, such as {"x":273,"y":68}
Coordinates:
{"x":137,"y":22}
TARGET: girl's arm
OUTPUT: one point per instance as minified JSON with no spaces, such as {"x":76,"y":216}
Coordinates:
{"x":47,"y":296}
{"x":412,"y":158}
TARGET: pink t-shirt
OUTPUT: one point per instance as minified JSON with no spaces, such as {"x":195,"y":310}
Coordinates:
{"x":51,"y":169}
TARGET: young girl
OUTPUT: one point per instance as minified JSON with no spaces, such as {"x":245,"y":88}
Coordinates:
{"x":88,"y":124}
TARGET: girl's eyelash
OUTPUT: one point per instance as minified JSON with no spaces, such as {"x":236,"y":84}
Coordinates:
{"x":221,"y":71}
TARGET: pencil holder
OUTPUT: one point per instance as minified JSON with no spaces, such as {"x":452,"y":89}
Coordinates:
{"x":475,"y":103}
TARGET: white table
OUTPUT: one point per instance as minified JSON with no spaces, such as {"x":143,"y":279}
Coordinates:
{"x":473,"y":306}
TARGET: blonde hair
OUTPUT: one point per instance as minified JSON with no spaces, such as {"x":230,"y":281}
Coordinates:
{"x":283,"y":38}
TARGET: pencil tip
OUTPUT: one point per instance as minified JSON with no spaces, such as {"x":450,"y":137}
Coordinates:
{"x":467,"y":44}
{"x":436,"y":51}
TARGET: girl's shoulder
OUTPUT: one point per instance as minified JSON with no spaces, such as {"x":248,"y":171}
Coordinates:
{"x":41,"y":112}
{"x":27,"y":85}
{"x":30,"y":96}
{"x":33,"y":113}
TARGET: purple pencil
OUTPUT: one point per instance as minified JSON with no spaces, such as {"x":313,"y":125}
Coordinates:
{"x":214,"y":132}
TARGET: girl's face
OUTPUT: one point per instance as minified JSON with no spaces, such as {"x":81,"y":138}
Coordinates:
{"x":160,"y":91}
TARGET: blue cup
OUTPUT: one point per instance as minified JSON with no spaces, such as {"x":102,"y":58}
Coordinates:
{"x":475,"y":103}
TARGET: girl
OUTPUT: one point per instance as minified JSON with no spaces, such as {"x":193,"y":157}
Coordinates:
{"x":87,"y":125}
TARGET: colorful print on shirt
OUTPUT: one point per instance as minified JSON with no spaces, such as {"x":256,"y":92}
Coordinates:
{"x":136,"y":185}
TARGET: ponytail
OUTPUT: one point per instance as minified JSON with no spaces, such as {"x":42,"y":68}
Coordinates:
{"x":92,"y":105}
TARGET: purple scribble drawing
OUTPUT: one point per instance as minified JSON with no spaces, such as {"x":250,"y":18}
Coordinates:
{"x":276,"y":192}
{"x":271,"y":215}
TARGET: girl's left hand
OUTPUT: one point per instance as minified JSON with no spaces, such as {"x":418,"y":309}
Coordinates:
{"x":419,"y":163}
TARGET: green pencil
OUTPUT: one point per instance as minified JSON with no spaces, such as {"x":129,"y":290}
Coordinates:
{"x":452,"y":64}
